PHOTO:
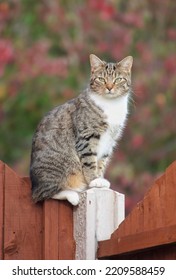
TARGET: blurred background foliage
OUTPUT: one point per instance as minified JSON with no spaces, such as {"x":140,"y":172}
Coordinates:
{"x":44,"y":61}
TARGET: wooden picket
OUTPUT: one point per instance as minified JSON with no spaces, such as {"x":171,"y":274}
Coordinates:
{"x":58,"y":242}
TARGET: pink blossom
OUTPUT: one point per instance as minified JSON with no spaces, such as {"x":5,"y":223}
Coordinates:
{"x":171,"y":33}
{"x":37,"y":61}
{"x":144,"y":52}
{"x":170,"y":64}
{"x":132,"y":19}
{"x":103,"y":7}
{"x":137,"y":141}
{"x":6,"y":54}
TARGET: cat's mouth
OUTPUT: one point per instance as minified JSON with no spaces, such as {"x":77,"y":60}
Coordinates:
{"x":109,"y":91}
{"x":115,"y":94}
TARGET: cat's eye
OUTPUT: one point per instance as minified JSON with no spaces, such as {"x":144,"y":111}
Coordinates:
{"x":102,"y":80}
{"x":118,"y":80}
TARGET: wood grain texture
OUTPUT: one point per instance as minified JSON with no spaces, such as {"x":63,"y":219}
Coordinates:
{"x":2,"y":174}
{"x":32,"y":231}
{"x":45,"y":230}
{"x":139,"y":241}
{"x":164,"y":252}
{"x":66,"y":243}
{"x":22,"y":220}
{"x":50,"y":234}
{"x":151,"y":223}
{"x":58,"y":240}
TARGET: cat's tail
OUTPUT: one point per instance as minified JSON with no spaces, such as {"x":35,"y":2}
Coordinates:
{"x":42,"y":190}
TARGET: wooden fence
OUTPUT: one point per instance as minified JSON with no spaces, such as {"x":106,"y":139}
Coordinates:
{"x":53,"y":229}
{"x":149,"y":231}
{"x":56,"y":230}
{"x":32,"y":231}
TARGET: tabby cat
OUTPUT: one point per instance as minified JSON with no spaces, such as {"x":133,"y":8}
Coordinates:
{"x":73,"y":142}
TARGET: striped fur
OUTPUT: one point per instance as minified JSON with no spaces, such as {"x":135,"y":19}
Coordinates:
{"x":73,"y":143}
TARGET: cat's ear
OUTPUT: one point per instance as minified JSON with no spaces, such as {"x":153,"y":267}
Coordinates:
{"x":126,"y":63}
{"x":95,"y":62}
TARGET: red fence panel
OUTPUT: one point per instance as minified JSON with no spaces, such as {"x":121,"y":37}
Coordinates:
{"x":32,"y":231}
{"x":152,"y":223}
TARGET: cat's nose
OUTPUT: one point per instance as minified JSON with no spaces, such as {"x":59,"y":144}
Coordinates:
{"x":109,"y":86}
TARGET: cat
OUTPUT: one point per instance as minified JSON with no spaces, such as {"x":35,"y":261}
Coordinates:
{"x":73,"y":143}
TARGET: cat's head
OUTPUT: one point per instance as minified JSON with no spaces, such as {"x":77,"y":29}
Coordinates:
{"x":110,"y":80}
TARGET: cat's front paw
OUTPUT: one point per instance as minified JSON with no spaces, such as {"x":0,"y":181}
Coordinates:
{"x":99,"y":183}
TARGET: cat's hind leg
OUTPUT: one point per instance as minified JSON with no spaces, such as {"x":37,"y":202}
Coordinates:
{"x":71,"y":196}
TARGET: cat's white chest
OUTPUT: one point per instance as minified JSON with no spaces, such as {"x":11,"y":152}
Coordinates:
{"x":106,"y":144}
{"x":116,"y":113}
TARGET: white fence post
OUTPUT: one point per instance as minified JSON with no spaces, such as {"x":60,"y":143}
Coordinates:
{"x":97,"y":216}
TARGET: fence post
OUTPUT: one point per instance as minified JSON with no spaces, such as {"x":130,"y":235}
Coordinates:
{"x":97,"y":216}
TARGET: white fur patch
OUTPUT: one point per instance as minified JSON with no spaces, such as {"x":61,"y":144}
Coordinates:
{"x":99,"y":183}
{"x":71,"y":196}
{"x":116,"y":111}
